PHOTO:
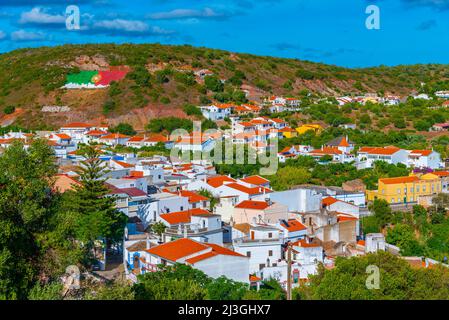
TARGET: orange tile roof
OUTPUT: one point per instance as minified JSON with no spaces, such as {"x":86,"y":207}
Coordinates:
{"x":422,"y":152}
{"x":255,"y":205}
{"x":441,"y":173}
{"x":344,"y":142}
{"x":177,"y":249}
{"x":408,"y":179}
{"x":176,"y":217}
{"x":326,"y":150}
{"x":250,"y":191}
{"x":114,"y":136}
{"x":379,"y":150}
{"x":329,"y":200}
{"x":256,"y":180}
{"x":304,"y":244}
{"x":361,"y":242}
{"x":135,"y":139}
{"x":216,"y":250}
{"x":193,"y":196}
{"x":294,"y":225}
{"x":183,"y":216}
{"x":253,"y":278}
{"x":96,"y":133}
{"x":156,"y":138}
{"x":218,"y":181}
{"x":63,"y":136}
{"x":124,"y":164}
{"x":341,"y":217}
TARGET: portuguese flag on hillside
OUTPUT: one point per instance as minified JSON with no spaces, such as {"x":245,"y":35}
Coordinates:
{"x":95,"y":79}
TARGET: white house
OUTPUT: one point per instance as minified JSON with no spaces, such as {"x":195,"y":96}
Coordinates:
{"x":213,"y":260}
{"x":424,"y":159}
{"x":262,"y":244}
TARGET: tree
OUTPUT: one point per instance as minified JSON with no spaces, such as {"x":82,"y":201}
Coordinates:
{"x":288,"y":177}
{"x":223,"y":288}
{"x":50,"y":291}
{"x":177,"y":282}
{"x":9,"y":109}
{"x":159,"y":228}
{"x":213,"y":83}
{"x":96,"y":215}
{"x":119,"y":290}
{"x":382,"y":212}
{"x":123,"y":128}
{"x":398,"y":281}
{"x":26,"y":204}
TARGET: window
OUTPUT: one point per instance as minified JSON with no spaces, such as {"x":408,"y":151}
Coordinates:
{"x":261,"y":266}
{"x":417,"y":188}
{"x":193,"y":205}
{"x":270,"y":235}
{"x":182,"y":208}
{"x":423,"y":188}
{"x":412,"y":189}
{"x":270,"y":253}
{"x":398,"y":191}
{"x":248,"y":254}
{"x":392,"y":200}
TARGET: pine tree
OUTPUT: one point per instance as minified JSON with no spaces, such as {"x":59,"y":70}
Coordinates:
{"x":97,"y":216}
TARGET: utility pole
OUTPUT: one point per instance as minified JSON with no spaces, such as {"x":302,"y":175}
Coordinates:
{"x":289,"y":271}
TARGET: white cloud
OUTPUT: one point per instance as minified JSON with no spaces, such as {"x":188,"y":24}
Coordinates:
{"x":122,"y":25}
{"x":185,"y":14}
{"x":130,"y":27}
{"x":40,"y":16}
{"x":22,"y":35}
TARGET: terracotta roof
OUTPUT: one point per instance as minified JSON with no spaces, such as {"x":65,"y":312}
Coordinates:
{"x":341,"y":217}
{"x":256,"y":180}
{"x":242,"y":227}
{"x":441,"y":173}
{"x":218,"y":181}
{"x":253,"y":278}
{"x":156,"y":138}
{"x":216,"y":250}
{"x":193,"y":196}
{"x":135,"y":139}
{"x":255,"y":205}
{"x":133,"y":192}
{"x":124,"y":164}
{"x":95,"y":133}
{"x":294,"y":225}
{"x":329,"y":200}
{"x":176,"y":217}
{"x":399,"y":180}
{"x":63,"y":136}
{"x":326,"y":150}
{"x":304,"y":244}
{"x":177,"y":249}
{"x":114,"y":136}
{"x":422,"y":152}
{"x":183,"y":216}
{"x":250,"y":191}
{"x":379,"y":150}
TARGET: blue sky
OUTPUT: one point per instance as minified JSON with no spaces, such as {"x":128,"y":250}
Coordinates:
{"x":330,"y":31}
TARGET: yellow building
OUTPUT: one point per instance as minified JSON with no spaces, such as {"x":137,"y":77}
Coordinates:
{"x":288,"y":132}
{"x":306,"y":127}
{"x":405,"y":189}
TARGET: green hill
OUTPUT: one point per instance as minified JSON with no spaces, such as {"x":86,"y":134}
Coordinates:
{"x":157,"y":85}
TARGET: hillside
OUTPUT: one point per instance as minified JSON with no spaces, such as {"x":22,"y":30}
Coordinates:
{"x":159,"y":83}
